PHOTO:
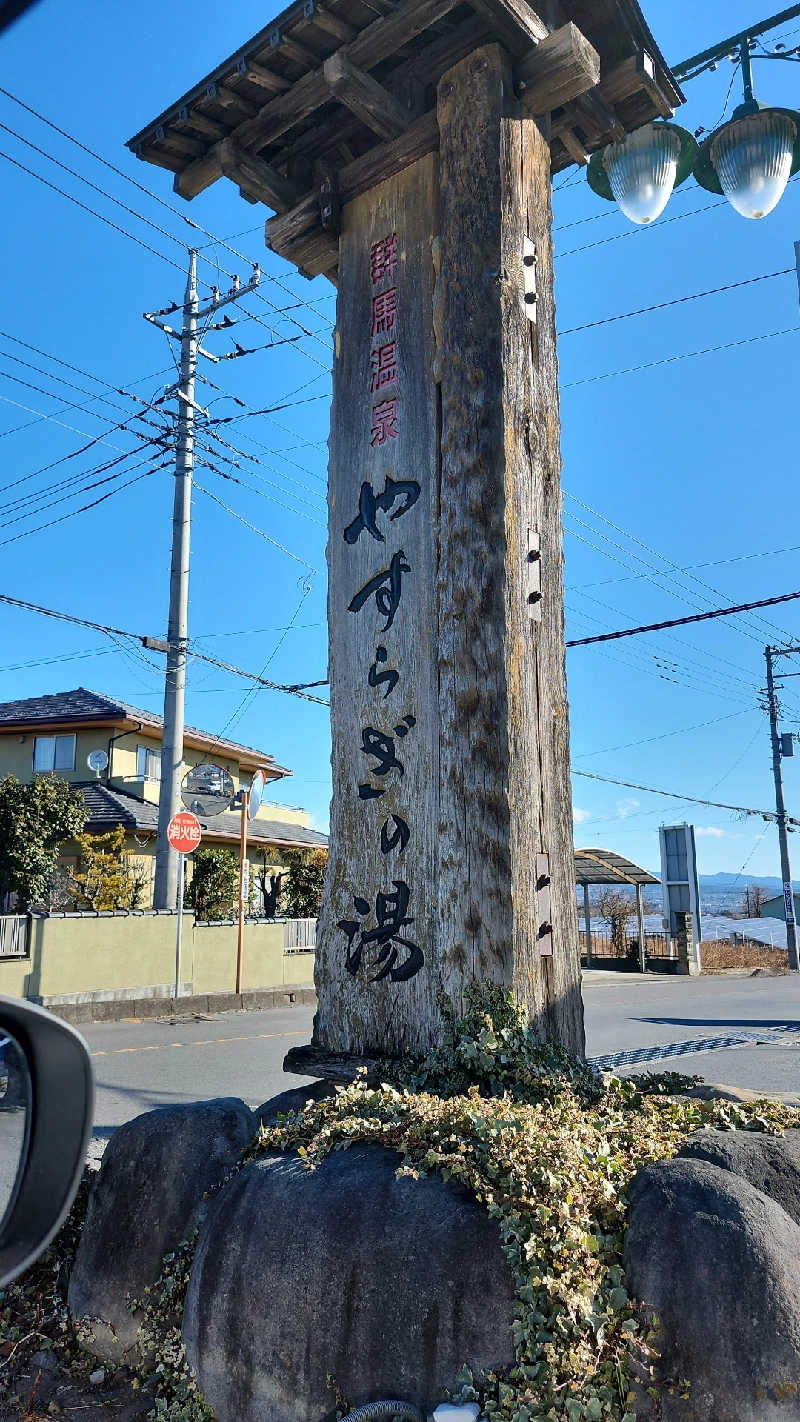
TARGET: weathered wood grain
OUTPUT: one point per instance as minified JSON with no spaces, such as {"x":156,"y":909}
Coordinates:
{"x":504,"y":792}
{"x":365,"y":97}
{"x":559,"y":69}
{"x":515,"y":22}
{"x":256,"y":177}
{"x":380,"y":39}
{"x":379,"y":163}
{"x":356,"y":1014}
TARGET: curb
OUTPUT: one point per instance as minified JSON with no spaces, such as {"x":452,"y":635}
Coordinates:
{"x":122,"y":1009}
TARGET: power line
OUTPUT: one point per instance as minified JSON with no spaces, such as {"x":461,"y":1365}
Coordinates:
{"x":254,"y":528}
{"x":223,"y":474}
{"x":154,"y":197}
{"x":673,"y":795}
{"x":677,"y":301}
{"x":685,"y":355}
{"x":682,"y":621}
{"x":692,"y":567}
{"x":665,"y":735}
{"x":40,"y":528}
{"x":91,"y":211}
{"x":159,"y":645}
{"x":673,"y":567}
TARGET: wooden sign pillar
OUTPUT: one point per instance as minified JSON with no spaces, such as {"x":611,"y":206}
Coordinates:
{"x":451,"y":830}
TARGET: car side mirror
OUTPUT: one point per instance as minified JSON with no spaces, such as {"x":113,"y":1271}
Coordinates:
{"x":46,"y":1115}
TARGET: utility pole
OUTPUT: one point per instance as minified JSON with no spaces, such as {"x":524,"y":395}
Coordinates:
{"x":780,"y":809}
{"x":166,"y":877}
{"x":165,"y":890}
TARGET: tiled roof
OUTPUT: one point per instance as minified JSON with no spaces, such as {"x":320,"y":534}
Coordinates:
{"x":84,"y":705}
{"x":107,"y":807}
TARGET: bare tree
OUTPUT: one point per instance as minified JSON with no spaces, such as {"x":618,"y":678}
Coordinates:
{"x":615,"y":908}
{"x":753,"y":900}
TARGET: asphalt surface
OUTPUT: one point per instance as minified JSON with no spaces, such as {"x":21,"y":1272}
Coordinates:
{"x":140,"y":1065}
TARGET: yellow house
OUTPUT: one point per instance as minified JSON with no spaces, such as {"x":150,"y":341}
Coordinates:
{"x":56,"y":734}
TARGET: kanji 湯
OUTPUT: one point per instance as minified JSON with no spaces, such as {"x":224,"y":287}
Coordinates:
{"x":407,"y":490}
{"x":383,"y":363}
{"x":383,"y":258}
{"x":384,"y":422}
{"x":390,"y":918}
{"x":384,"y":311}
{"x":387,"y":588}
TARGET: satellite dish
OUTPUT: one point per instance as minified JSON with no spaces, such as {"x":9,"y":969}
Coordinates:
{"x":257,"y":785}
{"x":207,"y":790}
{"x":97,"y":760}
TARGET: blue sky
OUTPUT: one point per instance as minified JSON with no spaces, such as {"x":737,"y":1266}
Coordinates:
{"x":686,"y":465}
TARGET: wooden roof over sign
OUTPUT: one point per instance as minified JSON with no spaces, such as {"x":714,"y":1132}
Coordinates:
{"x":334,"y":95}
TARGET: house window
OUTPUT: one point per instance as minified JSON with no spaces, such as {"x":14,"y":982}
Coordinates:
{"x":54,"y":753}
{"x":148,"y":763}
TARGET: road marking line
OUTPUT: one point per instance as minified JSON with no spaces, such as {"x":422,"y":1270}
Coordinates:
{"x":207,"y":1042}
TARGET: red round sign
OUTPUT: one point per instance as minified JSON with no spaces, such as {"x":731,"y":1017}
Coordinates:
{"x":183,"y":832}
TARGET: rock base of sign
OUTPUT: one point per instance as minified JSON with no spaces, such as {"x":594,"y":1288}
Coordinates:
{"x":310,"y":1289}
{"x":713,"y":1251}
{"x":149,"y":1194}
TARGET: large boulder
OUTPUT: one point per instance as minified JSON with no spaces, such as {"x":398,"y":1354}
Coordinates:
{"x":147,"y":1197}
{"x":718,"y":1262}
{"x":294,"y":1099}
{"x":346,"y":1276}
{"x":770,"y":1163}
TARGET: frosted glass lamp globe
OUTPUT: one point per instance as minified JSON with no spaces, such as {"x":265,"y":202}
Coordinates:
{"x":752,"y":157}
{"x":642,"y":170}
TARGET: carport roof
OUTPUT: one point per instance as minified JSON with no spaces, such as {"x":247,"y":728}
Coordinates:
{"x":606,"y":866}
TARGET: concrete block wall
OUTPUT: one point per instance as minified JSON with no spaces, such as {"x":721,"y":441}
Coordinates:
{"x":85,"y":959}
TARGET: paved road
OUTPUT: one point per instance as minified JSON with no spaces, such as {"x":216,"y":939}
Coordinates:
{"x":140,"y":1065}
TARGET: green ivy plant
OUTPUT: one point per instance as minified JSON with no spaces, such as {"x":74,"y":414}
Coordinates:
{"x":550,"y":1149}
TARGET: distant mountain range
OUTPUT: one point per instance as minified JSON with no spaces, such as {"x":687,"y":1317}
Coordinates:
{"x":725,"y":890}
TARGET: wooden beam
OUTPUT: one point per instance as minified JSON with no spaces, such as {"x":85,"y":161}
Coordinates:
{"x":635,"y":74}
{"x":597,"y":118}
{"x":315,"y":255}
{"x":198,"y":175}
{"x":365,"y":97}
{"x":380,"y":39}
{"x":228,"y":98}
{"x":291,"y":49}
{"x":382,"y":161}
{"x":558,"y":70}
{"x":266,"y":78}
{"x":212,"y":128}
{"x":333,"y":24}
{"x":574,"y":147}
{"x":513,"y":21}
{"x":259,"y":178}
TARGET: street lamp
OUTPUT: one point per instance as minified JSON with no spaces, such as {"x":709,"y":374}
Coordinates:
{"x":640,"y":172}
{"x":751,"y":157}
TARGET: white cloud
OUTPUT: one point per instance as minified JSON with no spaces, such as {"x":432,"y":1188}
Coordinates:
{"x":580,"y":816}
{"x":627,"y":807}
{"x":710,"y":831}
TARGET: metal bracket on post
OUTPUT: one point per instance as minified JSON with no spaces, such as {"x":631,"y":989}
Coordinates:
{"x":328,"y":196}
{"x":534,"y":576}
{"x":544,"y":926}
{"x":529,"y":278}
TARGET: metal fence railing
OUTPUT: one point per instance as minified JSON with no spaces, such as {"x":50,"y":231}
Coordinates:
{"x":13,"y":935}
{"x":299,"y":935}
{"x":657,"y":945}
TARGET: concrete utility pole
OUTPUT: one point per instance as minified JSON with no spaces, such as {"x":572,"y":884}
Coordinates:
{"x":780,"y":809}
{"x":165,"y":889}
{"x":166,"y":877}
